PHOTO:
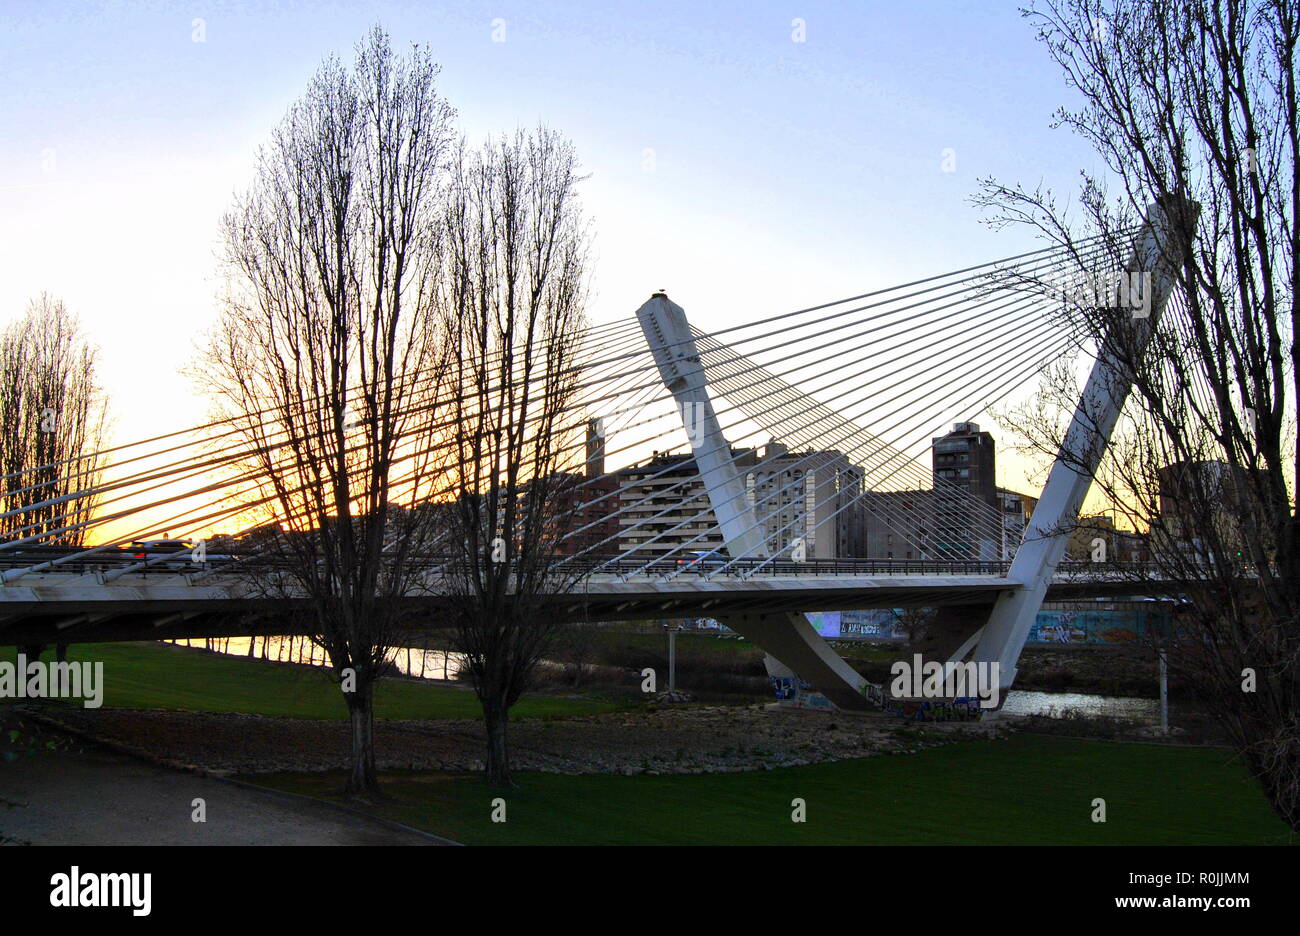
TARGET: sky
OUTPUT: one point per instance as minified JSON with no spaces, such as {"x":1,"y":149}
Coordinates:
{"x":748,"y":158}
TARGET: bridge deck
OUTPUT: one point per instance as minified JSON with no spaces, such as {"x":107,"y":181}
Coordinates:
{"x":72,"y":608}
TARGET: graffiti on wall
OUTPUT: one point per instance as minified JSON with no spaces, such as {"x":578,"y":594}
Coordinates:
{"x":960,"y":709}
{"x":1093,"y":627}
{"x":1061,"y":626}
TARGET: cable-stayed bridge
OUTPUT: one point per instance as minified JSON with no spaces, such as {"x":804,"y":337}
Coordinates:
{"x":759,"y":467}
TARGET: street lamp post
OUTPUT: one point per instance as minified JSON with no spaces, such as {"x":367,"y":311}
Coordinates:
{"x":1162,"y":647}
{"x":1164,"y":692}
{"x":672,"y":656}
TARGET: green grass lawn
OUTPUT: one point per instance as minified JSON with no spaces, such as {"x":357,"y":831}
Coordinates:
{"x":162,"y":676}
{"x":1025,"y":790}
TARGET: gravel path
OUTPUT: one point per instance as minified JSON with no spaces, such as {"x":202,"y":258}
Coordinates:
{"x":671,"y":739}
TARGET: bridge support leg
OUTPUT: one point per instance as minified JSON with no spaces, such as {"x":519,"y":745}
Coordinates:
{"x":950,"y":630}
{"x":1048,"y":532}
{"x":790,"y":638}
{"x":794,"y":642}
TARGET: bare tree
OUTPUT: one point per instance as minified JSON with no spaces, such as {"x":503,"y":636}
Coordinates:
{"x":915,"y":623}
{"x":1193,"y":106}
{"x":579,"y":641}
{"x":515,"y":295}
{"x":329,"y":354}
{"x":54,"y":413}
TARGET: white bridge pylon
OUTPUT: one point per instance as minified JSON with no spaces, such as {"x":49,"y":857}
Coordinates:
{"x":1047,"y":534}
{"x":790,"y":638}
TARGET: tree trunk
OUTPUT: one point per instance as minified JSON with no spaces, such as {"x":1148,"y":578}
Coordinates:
{"x":1279,"y":786}
{"x":496,"y":717}
{"x":1273,"y":761}
{"x":362,"y":779}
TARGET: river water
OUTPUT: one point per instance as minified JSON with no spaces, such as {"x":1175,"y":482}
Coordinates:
{"x":1060,"y":704}
{"x":410,"y":661}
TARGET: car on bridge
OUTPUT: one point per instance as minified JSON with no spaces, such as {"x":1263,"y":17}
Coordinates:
{"x":180,"y":554}
{"x":703,"y":561}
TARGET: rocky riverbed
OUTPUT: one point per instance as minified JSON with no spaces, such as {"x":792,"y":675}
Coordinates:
{"x":676,"y":739}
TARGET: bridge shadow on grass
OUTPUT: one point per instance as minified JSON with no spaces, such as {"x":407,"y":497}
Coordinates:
{"x":1023,"y":790}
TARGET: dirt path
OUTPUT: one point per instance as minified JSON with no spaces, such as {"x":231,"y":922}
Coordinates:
{"x":673,"y":739}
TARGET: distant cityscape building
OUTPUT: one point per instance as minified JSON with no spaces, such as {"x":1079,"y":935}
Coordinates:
{"x":898,"y":524}
{"x":1016,"y":509}
{"x":813,"y":496}
{"x":589,"y":515}
{"x":818,"y":497}
{"x":963,"y":515}
{"x":810,"y":496}
{"x":1184,"y":484}
{"x":1199,"y":496}
{"x":1097,"y":539}
{"x":595,"y":448}
{"x":966,"y":515}
{"x":664,"y":507}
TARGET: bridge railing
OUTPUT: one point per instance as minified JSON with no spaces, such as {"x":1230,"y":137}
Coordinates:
{"x":623,"y":565}
{"x":758,"y":567}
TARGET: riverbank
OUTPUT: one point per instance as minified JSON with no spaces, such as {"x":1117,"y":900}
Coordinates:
{"x":721,"y":669}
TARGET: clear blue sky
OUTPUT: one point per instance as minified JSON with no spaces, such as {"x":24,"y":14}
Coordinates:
{"x":782,"y":173}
